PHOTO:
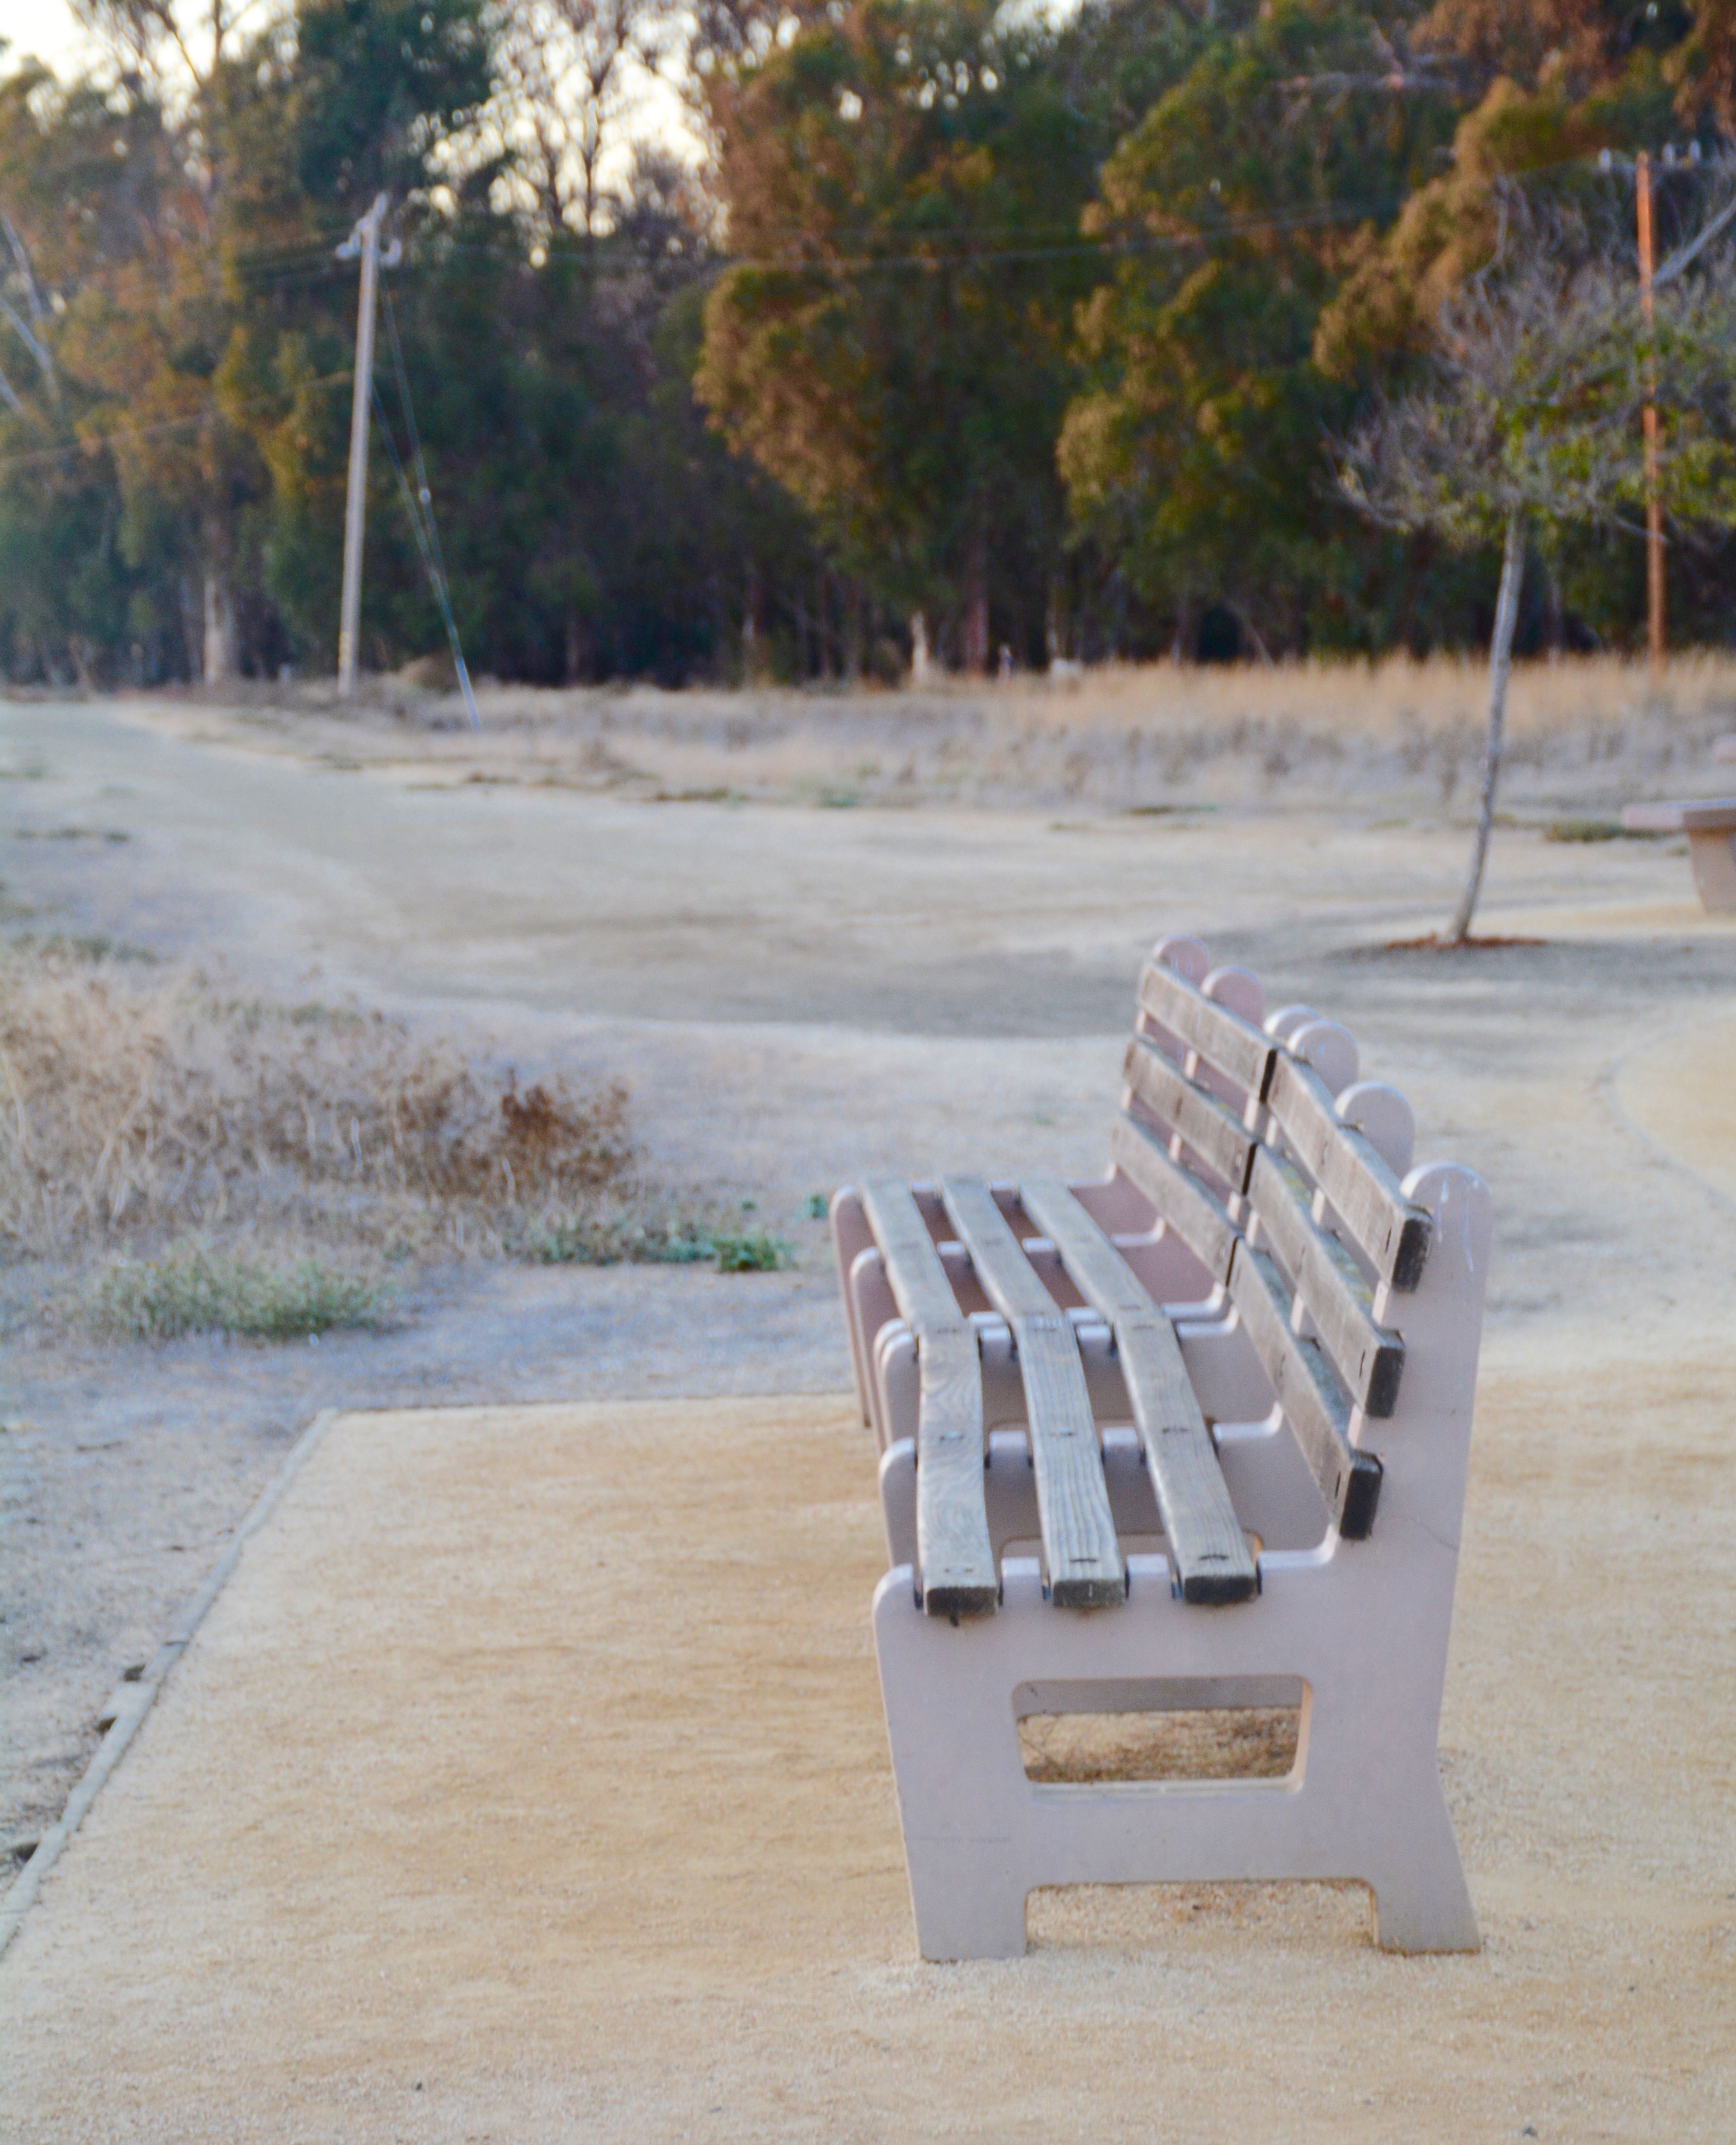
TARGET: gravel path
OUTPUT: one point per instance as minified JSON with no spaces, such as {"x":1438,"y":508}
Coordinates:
{"x":793,"y":995}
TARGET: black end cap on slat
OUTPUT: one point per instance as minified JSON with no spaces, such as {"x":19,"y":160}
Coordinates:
{"x":1356,"y":1521}
{"x":1384,"y":1374}
{"x":1219,"y":1590}
{"x":1412,"y":1254}
{"x":957,"y":1601}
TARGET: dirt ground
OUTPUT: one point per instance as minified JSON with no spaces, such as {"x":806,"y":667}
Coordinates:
{"x":796,"y":992}
{"x":527,"y":1782}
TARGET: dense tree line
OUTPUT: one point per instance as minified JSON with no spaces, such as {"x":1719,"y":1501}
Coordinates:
{"x":967,"y":329}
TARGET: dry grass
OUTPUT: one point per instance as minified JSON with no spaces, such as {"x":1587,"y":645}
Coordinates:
{"x":1395,"y":735}
{"x":138,"y":1105}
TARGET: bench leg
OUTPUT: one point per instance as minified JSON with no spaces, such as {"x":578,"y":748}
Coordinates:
{"x":978,"y":1837}
{"x":1422,"y":1902}
{"x":1713,"y":856}
{"x":963,"y":1911}
{"x":955,"y":1759}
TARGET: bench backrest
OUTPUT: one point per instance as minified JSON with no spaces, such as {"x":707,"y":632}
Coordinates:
{"x":1230,"y":1131}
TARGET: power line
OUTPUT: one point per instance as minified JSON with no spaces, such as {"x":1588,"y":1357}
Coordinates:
{"x":419,"y":507}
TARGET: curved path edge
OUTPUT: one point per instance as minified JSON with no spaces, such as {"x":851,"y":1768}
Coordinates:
{"x":28,"y":1883}
{"x":1608,"y":1085}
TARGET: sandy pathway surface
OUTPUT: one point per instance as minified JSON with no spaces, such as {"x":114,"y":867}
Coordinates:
{"x":528,"y":1783}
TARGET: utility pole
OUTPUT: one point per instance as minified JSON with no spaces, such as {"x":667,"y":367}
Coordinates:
{"x":1653,"y":513}
{"x":363,"y":241}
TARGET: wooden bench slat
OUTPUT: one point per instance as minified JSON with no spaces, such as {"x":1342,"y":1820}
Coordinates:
{"x":1086,"y":1570}
{"x":1211,"y":1554}
{"x":1223,"y":1038}
{"x":1214,"y":1134}
{"x":1368,"y":1358}
{"x":1352,"y":1175}
{"x":1313,"y":1401}
{"x":955,"y":1557}
{"x":1182,"y":1203}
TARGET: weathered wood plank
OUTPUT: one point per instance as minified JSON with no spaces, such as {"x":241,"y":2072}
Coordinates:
{"x":1368,"y":1359}
{"x":1351,"y":1174}
{"x":1314,"y":1403}
{"x":1182,"y":1200}
{"x":1216,"y":1134}
{"x":956,"y":1567}
{"x":1223,"y":1038}
{"x":1086,"y":1569}
{"x":1206,"y":1545}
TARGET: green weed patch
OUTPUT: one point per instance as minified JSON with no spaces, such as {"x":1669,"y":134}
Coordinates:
{"x":190,"y":1290}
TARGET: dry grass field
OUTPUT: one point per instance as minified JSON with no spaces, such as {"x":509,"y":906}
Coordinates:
{"x":1584,"y":733}
{"x":141,"y":1101}
{"x":214,"y":1162}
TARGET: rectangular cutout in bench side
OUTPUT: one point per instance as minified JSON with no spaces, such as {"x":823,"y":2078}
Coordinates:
{"x":1182,"y":1203}
{"x":1224,"y":1039}
{"x":1220,"y":1139}
{"x":1332,"y":1286}
{"x":1314,"y":1403}
{"x":955,"y":1557}
{"x":1352,"y":1175}
{"x":1206,"y":1545}
{"x":1085,"y":1571}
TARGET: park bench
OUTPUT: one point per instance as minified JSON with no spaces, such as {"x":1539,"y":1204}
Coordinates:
{"x":1710,"y":825}
{"x":1187,"y":1438}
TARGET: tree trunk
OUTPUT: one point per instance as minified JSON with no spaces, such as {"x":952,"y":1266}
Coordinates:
{"x":976,"y":605}
{"x":576,"y":655}
{"x":919,"y":649}
{"x":192,"y":626}
{"x":753,"y":655}
{"x":220,"y":662}
{"x":852,"y":631}
{"x":1253,"y":633}
{"x":1500,"y":668}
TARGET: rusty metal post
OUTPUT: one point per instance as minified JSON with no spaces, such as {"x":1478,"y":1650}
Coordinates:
{"x":1653,"y":512}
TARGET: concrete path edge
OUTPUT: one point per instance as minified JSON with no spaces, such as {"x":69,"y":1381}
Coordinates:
{"x":28,"y":1883}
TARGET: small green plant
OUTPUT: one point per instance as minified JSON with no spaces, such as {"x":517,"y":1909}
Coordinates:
{"x":190,"y":1290}
{"x":616,"y":1240}
{"x":755,"y":1251}
{"x":88,"y":946}
{"x":1584,"y":830}
{"x":818,"y":1206}
{"x":627,"y":1240}
{"x":1594,"y":830}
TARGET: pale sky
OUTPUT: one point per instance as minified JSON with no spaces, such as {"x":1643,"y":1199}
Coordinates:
{"x":42,"y":28}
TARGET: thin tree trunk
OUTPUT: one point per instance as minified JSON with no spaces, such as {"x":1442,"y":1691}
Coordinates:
{"x":1254,"y":634}
{"x":1500,"y":668}
{"x":976,"y":605}
{"x":752,"y":654}
{"x":852,"y":631}
{"x":219,"y":665}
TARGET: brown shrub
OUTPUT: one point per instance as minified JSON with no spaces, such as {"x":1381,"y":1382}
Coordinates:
{"x":140,"y":1103}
